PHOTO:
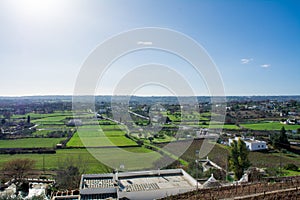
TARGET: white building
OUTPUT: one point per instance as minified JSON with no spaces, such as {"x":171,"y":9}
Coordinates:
{"x":137,"y":185}
{"x":37,"y":189}
{"x":251,"y":143}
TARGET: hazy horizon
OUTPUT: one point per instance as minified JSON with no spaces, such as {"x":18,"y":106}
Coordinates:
{"x":104,"y":95}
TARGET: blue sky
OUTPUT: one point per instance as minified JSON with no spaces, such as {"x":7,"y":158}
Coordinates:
{"x":255,"y":44}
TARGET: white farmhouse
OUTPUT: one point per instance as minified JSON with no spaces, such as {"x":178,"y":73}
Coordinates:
{"x":251,"y":143}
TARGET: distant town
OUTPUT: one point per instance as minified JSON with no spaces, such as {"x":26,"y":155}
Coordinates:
{"x":45,"y":148}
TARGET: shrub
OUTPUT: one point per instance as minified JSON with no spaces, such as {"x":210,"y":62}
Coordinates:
{"x":291,"y":166}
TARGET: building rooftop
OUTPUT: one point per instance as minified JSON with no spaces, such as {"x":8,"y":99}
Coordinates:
{"x":156,"y":183}
{"x":254,"y":141}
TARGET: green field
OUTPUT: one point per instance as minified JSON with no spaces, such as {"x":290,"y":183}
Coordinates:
{"x":30,"y":142}
{"x":217,"y":126}
{"x":93,"y":136}
{"x":83,"y":157}
{"x":194,"y":116}
{"x":51,"y":126}
{"x":51,"y":120}
{"x":269,"y":126}
{"x":112,"y":127}
{"x":109,"y":135}
{"x":53,"y":161}
{"x":133,"y":158}
{"x":34,"y":116}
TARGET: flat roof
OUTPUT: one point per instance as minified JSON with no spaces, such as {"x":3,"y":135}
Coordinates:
{"x":254,"y":141}
{"x":134,"y":184}
{"x":99,"y":182}
{"x":98,"y":191}
{"x":135,"y":181}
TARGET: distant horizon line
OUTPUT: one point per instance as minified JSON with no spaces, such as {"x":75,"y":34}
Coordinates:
{"x":98,"y":95}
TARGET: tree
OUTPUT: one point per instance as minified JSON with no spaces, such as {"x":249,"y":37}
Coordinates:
{"x":254,"y":175}
{"x":150,"y":139}
{"x":69,"y":172}
{"x":238,"y":158}
{"x":28,"y":119}
{"x":218,"y":173}
{"x":140,"y":135}
{"x":7,"y":115}
{"x":68,"y":178}
{"x":283,"y":139}
{"x":168,"y":120}
{"x":291,"y":166}
{"x":280,"y":140}
{"x":18,"y":169}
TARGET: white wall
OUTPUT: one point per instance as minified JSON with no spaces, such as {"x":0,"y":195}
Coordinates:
{"x":253,"y":146}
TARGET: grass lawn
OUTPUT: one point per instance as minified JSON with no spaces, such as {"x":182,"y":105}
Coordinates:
{"x":30,"y":142}
{"x":270,"y":126}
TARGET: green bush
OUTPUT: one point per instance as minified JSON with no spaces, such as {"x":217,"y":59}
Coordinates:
{"x":291,"y":166}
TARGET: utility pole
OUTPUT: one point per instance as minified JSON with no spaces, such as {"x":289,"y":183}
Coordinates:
{"x":280,"y":161}
{"x":44,"y":163}
{"x":226,"y":176}
{"x":197,"y":163}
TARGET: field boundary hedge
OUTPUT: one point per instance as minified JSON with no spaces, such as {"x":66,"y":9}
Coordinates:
{"x":27,"y":151}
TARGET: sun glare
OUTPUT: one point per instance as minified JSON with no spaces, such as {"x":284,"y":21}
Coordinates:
{"x":37,"y":9}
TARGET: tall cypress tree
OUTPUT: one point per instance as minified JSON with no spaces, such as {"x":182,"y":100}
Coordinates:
{"x":238,"y":158}
{"x":280,"y":140}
